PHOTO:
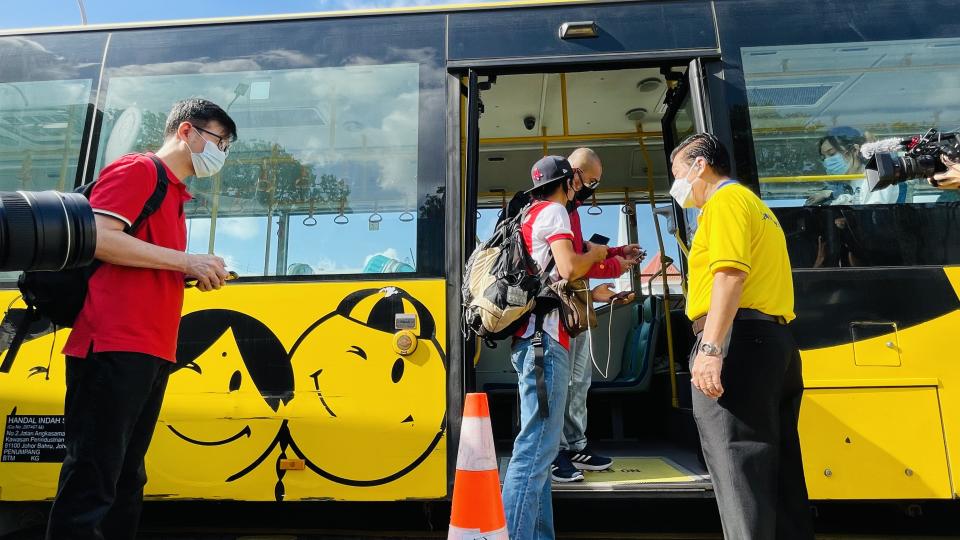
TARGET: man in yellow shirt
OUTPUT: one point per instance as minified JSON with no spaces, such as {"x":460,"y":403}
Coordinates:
{"x":745,"y":365}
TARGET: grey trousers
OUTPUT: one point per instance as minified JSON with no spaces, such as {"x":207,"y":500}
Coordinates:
{"x":749,"y":436}
{"x":575,"y":413}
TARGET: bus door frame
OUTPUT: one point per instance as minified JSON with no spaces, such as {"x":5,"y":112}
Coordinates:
{"x":691,"y":89}
{"x":464,"y":108}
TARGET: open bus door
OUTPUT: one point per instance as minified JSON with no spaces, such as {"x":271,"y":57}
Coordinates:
{"x":471,"y":214}
{"x":572,"y":109}
{"x":687,"y":113}
{"x":471,"y":347}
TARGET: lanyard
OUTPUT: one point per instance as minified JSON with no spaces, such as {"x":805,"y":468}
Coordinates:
{"x":726,"y":183}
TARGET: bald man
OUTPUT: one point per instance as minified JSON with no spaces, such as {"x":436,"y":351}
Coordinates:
{"x":574,"y":454}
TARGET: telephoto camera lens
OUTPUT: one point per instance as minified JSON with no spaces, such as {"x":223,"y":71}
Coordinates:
{"x":885,"y":170}
{"x":45,"y":230}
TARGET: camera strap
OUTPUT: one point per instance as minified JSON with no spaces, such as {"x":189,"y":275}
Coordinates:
{"x":149,"y":208}
{"x":29,"y":317}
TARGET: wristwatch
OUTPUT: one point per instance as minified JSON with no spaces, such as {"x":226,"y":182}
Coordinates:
{"x":709,"y":349}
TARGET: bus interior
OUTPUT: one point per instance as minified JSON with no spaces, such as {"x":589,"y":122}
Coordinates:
{"x":638,"y":413}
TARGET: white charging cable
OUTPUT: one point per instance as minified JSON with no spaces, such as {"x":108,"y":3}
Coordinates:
{"x":606,"y":371}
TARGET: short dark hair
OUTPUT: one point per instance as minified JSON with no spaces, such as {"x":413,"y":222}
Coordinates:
{"x":547,"y":190}
{"x":842,"y":139}
{"x":200,"y":112}
{"x":708,"y":147}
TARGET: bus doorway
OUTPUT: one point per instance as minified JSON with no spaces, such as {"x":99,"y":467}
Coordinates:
{"x":638,"y":405}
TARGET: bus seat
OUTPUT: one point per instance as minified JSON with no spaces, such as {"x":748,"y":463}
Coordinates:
{"x":639,"y":351}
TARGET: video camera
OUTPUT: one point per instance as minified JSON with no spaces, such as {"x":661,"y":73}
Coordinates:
{"x":45,"y":230}
{"x":921,"y":158}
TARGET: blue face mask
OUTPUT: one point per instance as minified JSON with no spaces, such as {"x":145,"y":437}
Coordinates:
{"x":836,"y":164}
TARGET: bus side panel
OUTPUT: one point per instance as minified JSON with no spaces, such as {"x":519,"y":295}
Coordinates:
{"x":889,"y":387}
{"x":281,"y":392}
{"x":874,"y":443}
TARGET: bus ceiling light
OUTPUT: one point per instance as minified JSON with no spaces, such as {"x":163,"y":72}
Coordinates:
{"x":649,"y":84}
{"x":637,"y":114}
{"x":578,"y":30}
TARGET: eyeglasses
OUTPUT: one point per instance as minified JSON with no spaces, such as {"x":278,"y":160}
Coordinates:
{"x":222,"y":143}
{"x":589,"y":184}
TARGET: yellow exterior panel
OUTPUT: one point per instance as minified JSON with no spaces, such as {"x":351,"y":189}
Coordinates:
{"x":924,"y":358}
{"x":875,"y":352}
{"x":298,"y":371}
{"x":873,"y":443}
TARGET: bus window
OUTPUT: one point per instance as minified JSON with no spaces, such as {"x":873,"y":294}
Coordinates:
{"x":337,"y":169}
{"x":487,"y":219}
{"x":45,"y":93}
{"x":608,"y":220}
{"x":813,"y":107}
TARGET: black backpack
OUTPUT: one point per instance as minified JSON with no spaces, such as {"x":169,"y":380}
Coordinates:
{"x":502,"y":284}
{"x":59,"y":296}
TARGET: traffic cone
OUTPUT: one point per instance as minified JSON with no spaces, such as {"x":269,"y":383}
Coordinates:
{"x":477,"y":507}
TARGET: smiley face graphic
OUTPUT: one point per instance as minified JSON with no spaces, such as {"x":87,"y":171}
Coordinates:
{"x":223,"y":397}
{"x":365,"y":415}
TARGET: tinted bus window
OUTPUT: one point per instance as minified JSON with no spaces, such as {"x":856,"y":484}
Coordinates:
{"x":813,"y":107}
{"x":46,"y":91}
{"x":338,"y":167}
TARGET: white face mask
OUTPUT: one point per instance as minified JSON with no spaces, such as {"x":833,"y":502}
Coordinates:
{"x":209,"y":161}
{"x":682,"y":190}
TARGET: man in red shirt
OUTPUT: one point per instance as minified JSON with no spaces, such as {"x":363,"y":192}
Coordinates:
{"x":575,"y":454}
{"x":125,"y":338}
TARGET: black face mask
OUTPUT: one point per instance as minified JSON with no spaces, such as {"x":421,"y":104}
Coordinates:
{"x":584,"y":194}
{"x":572,"y":203}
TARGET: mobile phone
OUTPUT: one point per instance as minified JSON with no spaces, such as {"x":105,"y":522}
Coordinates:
{"x":191,"y":282}
{"x":622,"y":295}
{"x":599,"y":239}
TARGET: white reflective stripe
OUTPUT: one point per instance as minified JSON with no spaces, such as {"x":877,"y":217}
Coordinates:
{"x":113,"y":215}
{"x":456,"y":533}
{"x":476,"y":452}
{"x":66,"y":219}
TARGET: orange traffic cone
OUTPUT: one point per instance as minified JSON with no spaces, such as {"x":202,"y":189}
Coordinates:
{"x":477,"y":507}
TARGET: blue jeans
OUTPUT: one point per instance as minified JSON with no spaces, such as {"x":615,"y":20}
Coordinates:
{"x":526,"y":487}
{"x":575,"y":413}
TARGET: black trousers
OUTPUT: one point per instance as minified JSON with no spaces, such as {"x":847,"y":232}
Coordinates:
{"x":112,"y":404}
{"x":749,"y":436}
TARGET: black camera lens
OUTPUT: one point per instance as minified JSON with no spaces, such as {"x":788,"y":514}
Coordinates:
{"x":885,"y":170}
{"x":45,"y":230}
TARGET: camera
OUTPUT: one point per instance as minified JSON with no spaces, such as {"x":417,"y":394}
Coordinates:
{"x":529,"y":122}
{"x":921,"y":158}
{"x":45,"y":230}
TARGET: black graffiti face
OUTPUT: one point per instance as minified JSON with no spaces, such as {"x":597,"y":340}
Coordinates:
{"x":385,"y":411}
{"x":355,"y":395}
{"x":224,"y":397}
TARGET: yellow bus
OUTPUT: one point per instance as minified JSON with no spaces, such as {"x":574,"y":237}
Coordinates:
{"x":376,"y":149}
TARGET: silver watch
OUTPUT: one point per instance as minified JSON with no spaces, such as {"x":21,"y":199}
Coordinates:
{"x":709,"y":349}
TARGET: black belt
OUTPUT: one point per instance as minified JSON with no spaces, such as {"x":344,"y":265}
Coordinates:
{"x":539,"y":371}
{"x":743,"y":314}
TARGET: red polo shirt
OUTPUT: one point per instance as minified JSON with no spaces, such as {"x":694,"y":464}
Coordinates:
{"x":608,"y":269}
{"x":134,"y":309}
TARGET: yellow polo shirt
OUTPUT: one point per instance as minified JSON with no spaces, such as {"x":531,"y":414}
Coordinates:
{"x":737,"y":230}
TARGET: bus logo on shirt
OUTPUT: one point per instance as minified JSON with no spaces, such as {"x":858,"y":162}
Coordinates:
{"x":767,"y":216}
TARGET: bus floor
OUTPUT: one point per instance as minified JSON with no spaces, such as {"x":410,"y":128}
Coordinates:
{"x":655,"y":469}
